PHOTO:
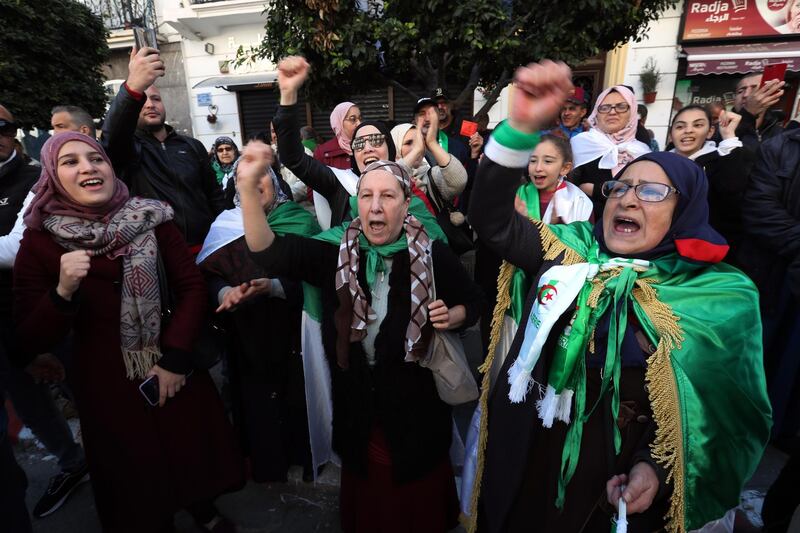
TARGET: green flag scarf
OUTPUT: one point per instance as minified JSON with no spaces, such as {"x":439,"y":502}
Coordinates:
{"x":705,"y":380}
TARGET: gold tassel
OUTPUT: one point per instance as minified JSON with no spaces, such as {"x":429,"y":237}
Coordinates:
{"x":552,"y":248}
{"x":667,"y":448}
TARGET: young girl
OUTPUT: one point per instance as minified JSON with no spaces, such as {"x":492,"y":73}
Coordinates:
{"x":727,"y":167}
{"x":547,"y":196}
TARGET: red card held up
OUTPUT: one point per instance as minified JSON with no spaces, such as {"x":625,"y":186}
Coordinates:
{"x":468,"y":128}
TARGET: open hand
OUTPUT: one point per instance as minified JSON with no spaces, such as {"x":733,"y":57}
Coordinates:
{"x":241,"y":293}
{"x":764,"y":97}
{"x":641,"y":489}
{"x":144,"y":67}
{"x":540,"y":90}
{"x":169,"y":383}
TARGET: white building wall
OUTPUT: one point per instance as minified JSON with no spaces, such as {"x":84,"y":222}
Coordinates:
{"x":201,"y":65}
{"x":660,"y":43}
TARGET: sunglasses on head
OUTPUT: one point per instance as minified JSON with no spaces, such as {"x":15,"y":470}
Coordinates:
{"x":8,"y":129}
{"x":376,"y":140}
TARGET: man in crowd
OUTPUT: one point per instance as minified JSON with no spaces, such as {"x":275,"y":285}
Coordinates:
{"x":72,"y":118}
{"x":153,"y":159}
{"x":573,"y":113}
{"x":31,"y":396}
{"x":753,"y":102}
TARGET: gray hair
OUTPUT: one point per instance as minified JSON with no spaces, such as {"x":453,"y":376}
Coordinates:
{"x":80,"y":117}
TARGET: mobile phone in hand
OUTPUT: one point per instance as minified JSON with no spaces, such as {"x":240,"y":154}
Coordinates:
{"x":149,"y":389}
{"x":775,"y":71}
{"x":144,"y":37}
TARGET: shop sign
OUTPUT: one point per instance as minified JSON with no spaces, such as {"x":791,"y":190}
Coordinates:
{"x":729,"y":19}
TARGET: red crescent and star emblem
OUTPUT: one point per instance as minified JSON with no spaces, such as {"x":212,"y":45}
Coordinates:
{"x":547,"y":292}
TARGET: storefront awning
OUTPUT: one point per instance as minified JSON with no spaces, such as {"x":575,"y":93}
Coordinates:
{"x":740,"y":58}
{"x":236,"y":80}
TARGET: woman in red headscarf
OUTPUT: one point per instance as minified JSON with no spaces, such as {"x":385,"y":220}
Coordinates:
{"x":88,"y":264}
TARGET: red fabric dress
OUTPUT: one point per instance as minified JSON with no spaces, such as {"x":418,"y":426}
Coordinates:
{"x":331,"y":154}
{"x":145,"y":462}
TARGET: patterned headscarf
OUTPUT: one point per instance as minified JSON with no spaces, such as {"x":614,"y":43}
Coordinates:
{"x":122,"y":227}
{"x":338,"y":115}
{"x":225,"y":167}
{"x":354,"y":302}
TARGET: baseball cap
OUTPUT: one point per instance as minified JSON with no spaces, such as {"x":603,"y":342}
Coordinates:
{"x":578,"y":97}
{"x":422,"y":102}
{"x":440,"y":93}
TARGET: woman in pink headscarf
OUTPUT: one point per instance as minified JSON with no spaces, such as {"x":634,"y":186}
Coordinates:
{"x":336,"y":152}
{"x":88,"y":265}
{"x":609,"y":145}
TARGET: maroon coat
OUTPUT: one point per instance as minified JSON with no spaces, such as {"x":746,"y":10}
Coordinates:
{"x":332,"y":155}
{"x":145,"y":462}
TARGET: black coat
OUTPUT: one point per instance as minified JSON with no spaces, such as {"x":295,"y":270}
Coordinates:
{"x":176,"y":171}
{"x":771,"y":214}
{"x":400,"y":397}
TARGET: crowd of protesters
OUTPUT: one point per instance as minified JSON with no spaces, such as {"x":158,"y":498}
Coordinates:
{"x":638,"y":309}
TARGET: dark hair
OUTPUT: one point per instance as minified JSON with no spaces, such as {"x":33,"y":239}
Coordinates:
{"x":263,"y":136}
{"x":561,"y":144}
{"x":78,"y":115}
{"x":642,"y":110}
{"x":689,"y":107}
{"x":381,"y":127}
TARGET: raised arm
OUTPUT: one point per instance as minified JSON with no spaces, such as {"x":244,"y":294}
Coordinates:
{"x":119,"y":127}
{"x":449,"y":174}
{"x":292,"y":73}
{"x":539,"y":92}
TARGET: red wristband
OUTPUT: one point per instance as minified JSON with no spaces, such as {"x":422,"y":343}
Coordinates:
{"x":135,"y":94}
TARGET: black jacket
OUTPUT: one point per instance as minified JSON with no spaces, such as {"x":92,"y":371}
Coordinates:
{"x":750,"y":135}
{"x":17,"y":177}
{"x":313,"y":173}
{"x":400,"y":397}
{"x":176,"y":171}
{"x":771,"y":214}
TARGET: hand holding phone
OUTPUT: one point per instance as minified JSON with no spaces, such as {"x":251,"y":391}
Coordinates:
{"x":161,"y":384}
{"x":149,"y":389}
{"x":776,"y":71}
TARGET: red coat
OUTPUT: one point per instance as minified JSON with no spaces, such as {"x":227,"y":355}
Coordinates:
{"x":332,"y":155}
{"x":145,"y":462}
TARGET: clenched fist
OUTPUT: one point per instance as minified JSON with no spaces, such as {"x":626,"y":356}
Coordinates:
{"x":74,"y":267}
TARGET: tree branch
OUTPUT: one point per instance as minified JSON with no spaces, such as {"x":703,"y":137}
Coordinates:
{"x":491,"y":99}
{"x":402,"y":87}
{"x":469,"y":89}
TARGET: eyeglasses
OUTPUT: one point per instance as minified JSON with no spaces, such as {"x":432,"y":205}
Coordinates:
{"x":355,"y":119}
{"x":619,"y":108}
{"x":8,"y":129}
{"x":647,"y":192}
{"x":224,"y":149}
{"x":376,"y":140}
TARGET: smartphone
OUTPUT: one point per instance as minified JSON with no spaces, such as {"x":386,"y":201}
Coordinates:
{"x":468,"y":128}
{"x":144,"y":37}
{"x":149,"y":389}
{"x":776,"y":71}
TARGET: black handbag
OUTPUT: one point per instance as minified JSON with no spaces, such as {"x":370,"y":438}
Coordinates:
{"x":458,"y":239}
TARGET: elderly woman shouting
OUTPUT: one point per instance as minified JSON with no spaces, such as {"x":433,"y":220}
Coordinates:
{"x":88,"y":264}
{"x":390,"y":428}
{"x":636,"y":371}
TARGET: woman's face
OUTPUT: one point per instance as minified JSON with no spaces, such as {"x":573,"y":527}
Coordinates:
{"x":225,"y":154}
{"x":632,"y":226}
{"x":546,"y":166}
{"x":382,"y":207}
{"x":793,"y":15}
{"x":408,"y":142}
{"x":351,"y":121}
{"x":613,"y":121}
{"x":369,"y":153}
{"x":85,"y":175}
{"x":689,"y":131}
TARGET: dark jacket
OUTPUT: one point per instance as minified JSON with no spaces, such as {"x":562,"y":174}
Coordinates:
{"x":17,"y":177}
{"x":727,"y":183}
{"x":307,"y":169}
{"x":523,"y":460}
{"x":771,"y":214}
{"x":750,"y":135}
{"x":399,"y":397}
{"x":176,"y":171}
